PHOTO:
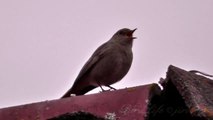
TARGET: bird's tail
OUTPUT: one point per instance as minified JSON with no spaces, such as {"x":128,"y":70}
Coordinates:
{"x":78,"y":91}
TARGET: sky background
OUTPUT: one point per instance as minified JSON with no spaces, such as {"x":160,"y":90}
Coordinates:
{"x":45,"y":43}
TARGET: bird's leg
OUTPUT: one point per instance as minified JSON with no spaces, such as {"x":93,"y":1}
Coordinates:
{"x":102,"y":88}
{"x":111,"y":87}
{"x":99,"y":84}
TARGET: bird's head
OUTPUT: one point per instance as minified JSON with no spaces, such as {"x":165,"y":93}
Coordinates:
{"x":124,"y":35}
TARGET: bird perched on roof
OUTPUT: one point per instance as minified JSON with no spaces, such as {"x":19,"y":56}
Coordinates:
{"x":107,"y":65}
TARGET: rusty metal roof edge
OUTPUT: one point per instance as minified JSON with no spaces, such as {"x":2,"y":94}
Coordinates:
{"x":51,"y":108}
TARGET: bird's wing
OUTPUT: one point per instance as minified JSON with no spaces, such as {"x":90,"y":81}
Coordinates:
{"x":93,"y":60}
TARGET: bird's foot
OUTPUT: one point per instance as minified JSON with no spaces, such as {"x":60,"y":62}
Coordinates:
{"x":110,"y":88}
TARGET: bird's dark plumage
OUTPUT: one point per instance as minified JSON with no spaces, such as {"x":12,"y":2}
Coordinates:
{"x":108,"y":64}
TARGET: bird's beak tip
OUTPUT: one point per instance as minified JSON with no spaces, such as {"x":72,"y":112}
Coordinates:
{"x":134,"y":30}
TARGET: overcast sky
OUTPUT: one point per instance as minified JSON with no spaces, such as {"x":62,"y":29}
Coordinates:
{"x":45,"y":43}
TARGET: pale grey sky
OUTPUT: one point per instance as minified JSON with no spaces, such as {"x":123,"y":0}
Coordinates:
{"x":44,"y":43}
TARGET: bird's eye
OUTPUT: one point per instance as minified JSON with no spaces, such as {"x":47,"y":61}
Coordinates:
{"x":121,"y":33}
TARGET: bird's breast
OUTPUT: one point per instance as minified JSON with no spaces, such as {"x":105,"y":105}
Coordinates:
{"x":113,"y":67}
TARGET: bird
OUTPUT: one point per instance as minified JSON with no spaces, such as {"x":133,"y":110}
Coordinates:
{"x":108,"y":64}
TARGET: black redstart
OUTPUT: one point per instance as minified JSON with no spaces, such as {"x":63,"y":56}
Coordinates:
{"x":107,"y":65}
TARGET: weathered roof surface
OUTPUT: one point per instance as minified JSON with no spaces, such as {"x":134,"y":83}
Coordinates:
{"x":185,"y":96}
{"x":196,"y":91}
{"x":126,"y":104}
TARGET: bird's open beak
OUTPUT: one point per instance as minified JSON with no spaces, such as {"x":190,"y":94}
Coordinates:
{"x":133,"y":32}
